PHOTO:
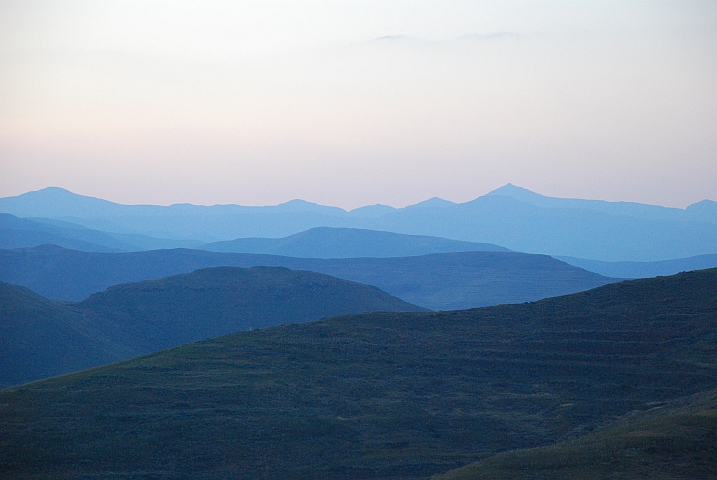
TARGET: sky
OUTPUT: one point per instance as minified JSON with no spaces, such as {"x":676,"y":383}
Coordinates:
{"x":353,"y":103}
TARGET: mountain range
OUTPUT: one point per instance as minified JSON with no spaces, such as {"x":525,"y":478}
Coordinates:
{"x":319,"y":242}
{"x":400,"y":395}
{"x":17,"y":232}
{"x":510,"y":216}
{"x":326,"y":242}
{"x":437,"y":281}
{"x":644,"y":269}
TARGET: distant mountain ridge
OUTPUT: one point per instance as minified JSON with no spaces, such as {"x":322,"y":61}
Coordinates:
{"x":319,"y":242}
{"x":326,"y":242}
{"x":512,"y":217}
{"x":16,"y":232}
{"x":631,"y":209}
{"x":644,"y":269}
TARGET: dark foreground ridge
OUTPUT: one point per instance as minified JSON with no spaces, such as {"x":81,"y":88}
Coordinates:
{"x":383,"y":395}
{"x":41,"y":338}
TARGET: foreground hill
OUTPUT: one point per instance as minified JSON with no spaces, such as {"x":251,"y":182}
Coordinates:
{"x":383,"y":395}
{"x":325,"y":242}
{"x":41,"y":338}
{"x":673,"y":441}
{"x":438,"y":281}
{"x":510,"y":216}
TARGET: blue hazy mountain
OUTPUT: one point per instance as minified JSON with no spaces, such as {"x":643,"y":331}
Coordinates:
{"x":371,"y":211}
{"x":327,"y":242}
{"x":584,"y":232}
{"x":644,"y":269}
{"x":18,"y":232}
{"x":196,"y":223}
{"x":509,"y":216}
{"x":629,"y":209}
{"x":440,"y":281}
{"x":704,"y":211}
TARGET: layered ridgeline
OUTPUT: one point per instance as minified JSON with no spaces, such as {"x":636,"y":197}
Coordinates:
{"x":18,"y":232}
{"x":324,"y":242}
{"x":319,"y":242}
{"x":41,"y":338}
{"x":509,"y":216}
{"x":644,"y":269}
{"x":383,"y":395}
{"x":438,"y":282}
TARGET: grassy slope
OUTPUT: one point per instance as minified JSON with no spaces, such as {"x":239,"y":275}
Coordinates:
{"x":674,"y":441}
{"x":439,"y":282}
{"x":373,"y":396}
{"x":41,"y":338}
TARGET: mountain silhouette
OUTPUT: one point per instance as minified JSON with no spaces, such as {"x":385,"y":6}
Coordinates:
{"x":442,"y":281}
{"x":510,"y":216}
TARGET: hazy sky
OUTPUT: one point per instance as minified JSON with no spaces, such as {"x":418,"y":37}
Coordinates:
{"x":353,"y":103}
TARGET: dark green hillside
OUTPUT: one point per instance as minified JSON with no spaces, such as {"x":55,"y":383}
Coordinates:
{"x":673,"y":441}
{"x":41,"y":339}
{"x":382,"y":395}
{"x":210,"y":302}
{"x":445,"y":281}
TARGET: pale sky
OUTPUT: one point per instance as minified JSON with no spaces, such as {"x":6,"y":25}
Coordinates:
{"x":354,"y":103}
